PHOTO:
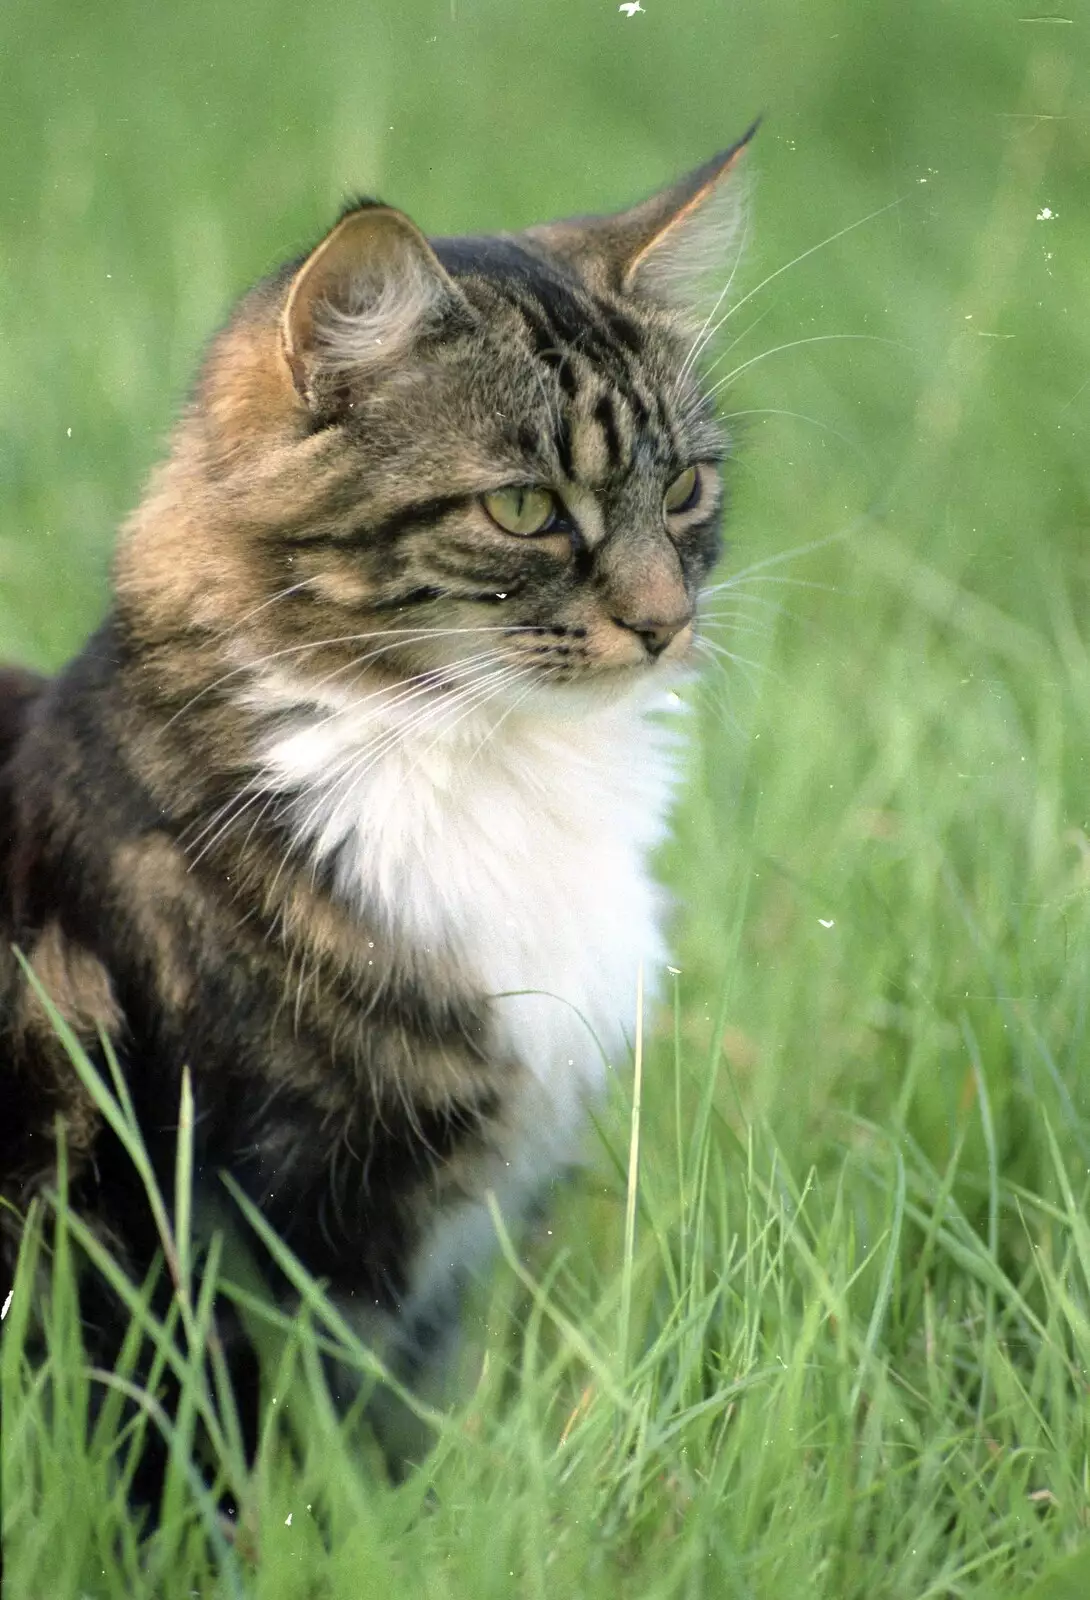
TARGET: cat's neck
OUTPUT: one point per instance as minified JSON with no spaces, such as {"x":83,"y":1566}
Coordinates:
{"x":372,"y":783}
{"x":501,"y":845}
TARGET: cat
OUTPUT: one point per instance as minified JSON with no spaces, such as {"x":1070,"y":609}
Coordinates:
{"x":349,"y":803}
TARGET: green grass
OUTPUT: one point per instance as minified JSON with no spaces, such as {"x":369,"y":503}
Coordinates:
{"x":844,"y":1350}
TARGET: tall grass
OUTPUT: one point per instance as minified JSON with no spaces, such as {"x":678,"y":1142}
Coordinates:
{"x":815,"y":1321}
{"x":799,"y":1381}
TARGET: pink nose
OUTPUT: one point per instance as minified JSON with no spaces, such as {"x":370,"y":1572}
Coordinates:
{"x":655,"y":633}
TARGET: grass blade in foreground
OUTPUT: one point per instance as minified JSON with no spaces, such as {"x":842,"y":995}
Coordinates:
{"x":788,"y":1430}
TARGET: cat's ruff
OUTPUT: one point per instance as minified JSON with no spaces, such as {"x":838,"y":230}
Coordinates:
{"x":514,"y":842}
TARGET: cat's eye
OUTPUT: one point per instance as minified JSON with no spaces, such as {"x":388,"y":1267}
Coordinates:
{"x":521,"y":510}
{"x":683,"y":493}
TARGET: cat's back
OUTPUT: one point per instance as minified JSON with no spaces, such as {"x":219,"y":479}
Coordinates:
{"x":19,"y":693}
{"x":19,"y":690}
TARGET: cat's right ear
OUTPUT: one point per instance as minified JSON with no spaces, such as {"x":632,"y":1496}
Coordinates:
{"x":371,"y":286}
{"x":672,"y":250}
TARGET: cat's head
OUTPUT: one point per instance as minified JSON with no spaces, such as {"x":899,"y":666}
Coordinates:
{"x":485,"y":456}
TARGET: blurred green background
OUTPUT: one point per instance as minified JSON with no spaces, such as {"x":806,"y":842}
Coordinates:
{"x":884,"y":850}
{"x":157,"y":159}
{"x":882,"y":863}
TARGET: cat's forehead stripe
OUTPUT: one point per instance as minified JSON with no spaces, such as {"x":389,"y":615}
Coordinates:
{"x":593,"y":356}
{"x":564,"y":319}
{"x":602,"y":437}
{"x":617,"y":448}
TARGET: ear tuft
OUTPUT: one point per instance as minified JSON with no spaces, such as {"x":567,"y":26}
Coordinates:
{"x":371,"y":286}
{"x":671,"y":249}
{"x":682,"y":264}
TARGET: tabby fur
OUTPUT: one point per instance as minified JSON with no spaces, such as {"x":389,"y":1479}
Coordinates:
{"x":347,"y":806}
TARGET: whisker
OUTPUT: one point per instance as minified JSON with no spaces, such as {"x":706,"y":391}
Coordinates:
{"x":749,"y":630}
{"x":781,"y":556}
{"x":744,"y":334}
{"x":735,"y":619}
{"x":795,"y":344}
{"x":344,"y":773}
{"x":419,"y":682}
{"x":736,"y":660}
{"x":800,"y":416}
{"x":747,"y":607}
{"x":425,"y":687}
{"x":781,"y":578}
{"x":493,"y":691}
{"x":737,"y":606}
{"x":282,"y":594}
{"x":802,"y":256}
{"x":697,"y":402}
{"x":252,"y":791}
{"x":725,"y":677}
{"x":692,"y":355}
{"x":272,"y":801}
{"x":735,"y":615}
{"x":715,"y":688}
{"x":491,"y":732}
{"x":395,"y":635}
{"x":362,"y":759}
{"x":236,"y":807}
{"x":742,"y":597}
{"x":765,"y":628}
{"x":428,"y":692}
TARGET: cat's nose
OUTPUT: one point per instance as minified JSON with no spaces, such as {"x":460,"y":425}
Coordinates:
{"x":656,"y":632}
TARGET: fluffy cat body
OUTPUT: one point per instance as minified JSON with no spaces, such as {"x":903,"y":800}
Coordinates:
{"x":349,"y":806}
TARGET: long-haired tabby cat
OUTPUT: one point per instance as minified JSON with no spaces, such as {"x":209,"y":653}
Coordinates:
{"x":347,"y":807}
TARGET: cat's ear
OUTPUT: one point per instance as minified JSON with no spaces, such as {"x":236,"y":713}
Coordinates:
{"x":674,"y":249}
{"x":372,"y":285}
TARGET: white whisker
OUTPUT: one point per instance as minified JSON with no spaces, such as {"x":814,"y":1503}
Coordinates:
{"x":715,"y":686}
{"x":796,"y":344}
{"x":745,"y":583}
{"x":255,"y":787}
{"x":698,"y":399}
{"x":492,"y":691}
{"x":363,"y":759}
{"x":356,"y":761}
{"x":747,"y":630}
{"x":419,"y":683}
{"x":744,"y":662}
{"x":802,"y":256}
{"x":800,"y":416}
{"x":777,"y":560}
{"x":693,"y":353}
{"x":491,"y":732}
{"x":282,"y":594}
{"x":235,"y":808}
{"x":396,"y":636}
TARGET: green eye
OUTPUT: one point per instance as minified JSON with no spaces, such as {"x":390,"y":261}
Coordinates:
{"x":683,"y":493}
{"x":521,"y":510}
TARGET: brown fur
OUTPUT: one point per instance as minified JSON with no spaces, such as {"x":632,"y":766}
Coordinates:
{"x":321,"y":516}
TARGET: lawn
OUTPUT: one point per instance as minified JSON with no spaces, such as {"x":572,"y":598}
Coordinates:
{"x":817,"y":1319}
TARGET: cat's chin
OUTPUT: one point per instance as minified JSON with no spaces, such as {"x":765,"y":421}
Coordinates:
{"x":637,"y":686}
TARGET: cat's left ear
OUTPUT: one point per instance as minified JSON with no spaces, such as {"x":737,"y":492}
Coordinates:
{"x":371,"y":286}
{"x":675,"y":248}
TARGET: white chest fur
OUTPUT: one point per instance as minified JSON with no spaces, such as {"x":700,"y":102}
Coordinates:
{"x":514,"y":845}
